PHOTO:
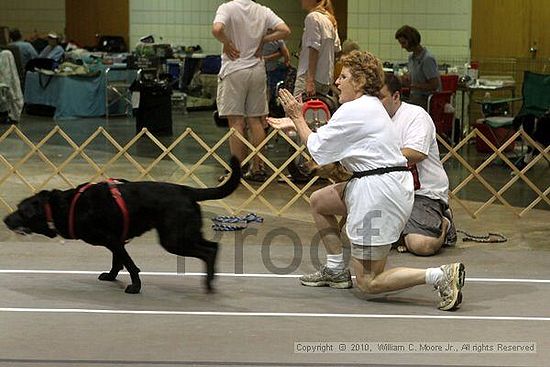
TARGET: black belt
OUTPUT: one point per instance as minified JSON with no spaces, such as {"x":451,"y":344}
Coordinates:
{"x":379,"y":171}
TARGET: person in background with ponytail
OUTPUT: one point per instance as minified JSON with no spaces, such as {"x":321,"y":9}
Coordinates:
{"x":320,"y":43}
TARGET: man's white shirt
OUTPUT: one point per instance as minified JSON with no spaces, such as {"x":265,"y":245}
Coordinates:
{"x":245,"y":24}
{"x":416,"y":131}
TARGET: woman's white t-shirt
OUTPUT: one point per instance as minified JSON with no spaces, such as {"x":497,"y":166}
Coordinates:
{"x":321,"y":35}
{"x":360,"y":135}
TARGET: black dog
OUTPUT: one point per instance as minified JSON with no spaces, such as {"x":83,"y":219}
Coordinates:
{"x":98,"y":219}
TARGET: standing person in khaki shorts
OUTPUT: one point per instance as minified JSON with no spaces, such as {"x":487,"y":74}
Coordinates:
{"x":242,"y":27}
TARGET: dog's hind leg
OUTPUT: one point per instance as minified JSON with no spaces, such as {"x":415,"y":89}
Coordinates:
{"x":122,"y":255}
{"x":210,"y":262}
{"x":112,"y":274}
{"x":206,"y":251}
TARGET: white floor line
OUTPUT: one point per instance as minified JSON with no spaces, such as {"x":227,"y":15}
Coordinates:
{"x":267,"y":314}
{"x":245,"y":275}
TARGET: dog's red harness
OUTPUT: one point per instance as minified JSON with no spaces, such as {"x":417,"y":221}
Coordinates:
{"x":115,"y":192}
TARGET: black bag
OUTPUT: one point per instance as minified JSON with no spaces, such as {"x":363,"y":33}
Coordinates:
{"x":41,"y":63}
{"x":39,"y":110}
{"x":155,"y":107}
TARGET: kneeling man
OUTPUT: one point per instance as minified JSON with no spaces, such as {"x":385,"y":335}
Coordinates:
{"x":431,"y":225}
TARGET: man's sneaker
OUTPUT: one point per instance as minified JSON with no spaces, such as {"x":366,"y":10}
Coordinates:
{"x":449,"y":287}
{"x":327,"y":277}
{"x":450,"y":237}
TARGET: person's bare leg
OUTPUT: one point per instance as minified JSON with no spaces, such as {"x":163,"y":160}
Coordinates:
{"x":424,"y":245}
{"x":326,"y":204}
{"x":236,"y":146}
{"x":257,"y":135}
{"x":448,"y":280}
{"x":372,"y":279}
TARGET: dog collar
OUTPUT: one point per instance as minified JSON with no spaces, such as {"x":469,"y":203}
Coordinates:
{"x":49,"y":217}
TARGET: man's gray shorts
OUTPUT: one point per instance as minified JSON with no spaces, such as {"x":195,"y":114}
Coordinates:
{"x":426,"y":217}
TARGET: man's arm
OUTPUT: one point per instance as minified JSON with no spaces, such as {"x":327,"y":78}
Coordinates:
{"x":57,"y":53}
{"x":285,"y":53}
{"x":413,"y":156}
{"x":273,"y":56}
{"x":281,"y":31}
{"x":311,"y":71}
{"x":218,"y":31}
{"x":431,"y":85}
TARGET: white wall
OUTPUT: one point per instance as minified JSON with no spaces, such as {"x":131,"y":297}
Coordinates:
{"x":189,"y":22}
{"x":293,"y":15}
{"x":444,"y":25}
{"x":182,"y":22}
{"x":29,"y":16}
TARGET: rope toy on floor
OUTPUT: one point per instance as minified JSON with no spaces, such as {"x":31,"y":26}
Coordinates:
{"x":234,"y":223}
{"x":488,"y":238}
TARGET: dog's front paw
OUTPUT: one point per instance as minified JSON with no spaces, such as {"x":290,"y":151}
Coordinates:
{"x":108,"y":277}
{"x":133,"y":288}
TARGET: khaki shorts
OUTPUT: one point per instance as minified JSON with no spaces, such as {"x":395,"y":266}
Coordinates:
{"x":370,"y":252}
{"x":243,"y":93}
{"x":300,"y":87}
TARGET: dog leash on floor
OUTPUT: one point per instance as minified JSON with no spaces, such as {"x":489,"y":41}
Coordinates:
{"x":488,"y":238}
{"x":234,"y":223}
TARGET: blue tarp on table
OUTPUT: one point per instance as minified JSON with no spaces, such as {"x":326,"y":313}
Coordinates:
{"x":72,"y":96}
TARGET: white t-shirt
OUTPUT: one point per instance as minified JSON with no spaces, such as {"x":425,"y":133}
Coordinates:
{"x":361,"y":137}
{"x":321,"y":35}
{"x":245,"y":23}
{"x":417,"y":131}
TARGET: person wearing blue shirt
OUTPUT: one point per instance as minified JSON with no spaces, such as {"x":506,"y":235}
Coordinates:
{"x":26,"y":50}
{"x":53,"y":51}
{"x":423,"y":78}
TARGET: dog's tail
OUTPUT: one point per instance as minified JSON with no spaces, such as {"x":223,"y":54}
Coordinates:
{"x":224,"y":190}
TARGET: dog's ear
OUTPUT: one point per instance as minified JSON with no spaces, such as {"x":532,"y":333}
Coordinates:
{"x":44,"y":195}
{"x":32,"y":206}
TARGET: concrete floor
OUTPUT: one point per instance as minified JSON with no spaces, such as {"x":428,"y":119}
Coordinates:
{"x":54,"y":311}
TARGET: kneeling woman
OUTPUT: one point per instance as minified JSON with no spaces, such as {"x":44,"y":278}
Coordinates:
{"x":377,"y":200}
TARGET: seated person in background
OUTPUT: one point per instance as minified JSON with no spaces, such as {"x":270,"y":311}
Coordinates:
{"x":26,"y":50}
{"x":53,"y":51}
{"x":430,"y":225}
{"x":423,"y":78}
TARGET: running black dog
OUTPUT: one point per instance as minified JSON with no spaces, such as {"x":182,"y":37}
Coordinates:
{"x":97,"y":215}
